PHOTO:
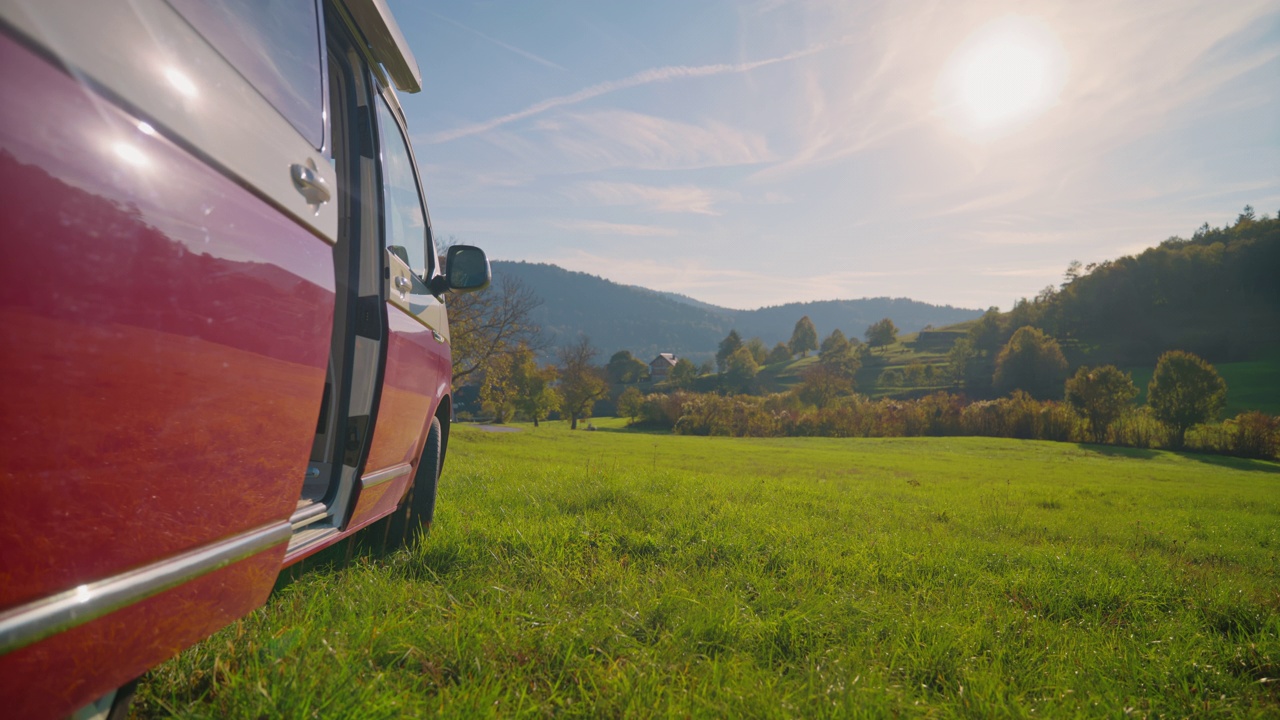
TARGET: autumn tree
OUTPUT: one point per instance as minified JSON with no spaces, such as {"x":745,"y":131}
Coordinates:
{"x":630,"y":402}
{"x":740,"y":369}
{"x":1101,"y":395}
{"x":803,"y":338}
{"x":624,"y":367}
{"x":581,"y":383}
{"x":839,"y":356}
{"x":820,"y":385}
{"x":1033,"y":362}
{"x":779,"y":354}
{"x":881,"y":333}
{"x":683,"y":374}
{"x":1185,"y":391}
{"x":835,"y":342}
{"x":535,"y":392}
{"x":960,"y":360}
{"x":490,"y":323}
{"x":728,"y":346}
{"x":758,"y":350}
{"x":496,"y":389}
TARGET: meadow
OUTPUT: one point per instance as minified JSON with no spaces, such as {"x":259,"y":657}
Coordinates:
{"x":626,"y":574}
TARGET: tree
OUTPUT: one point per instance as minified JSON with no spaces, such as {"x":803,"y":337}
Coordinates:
{"x":683,"y":374}
{"x":803,"y":338}
{"x":496,"y":388}
{"x":1101,"y":396}
{"x":834,"y":343}
{"x":623,"y":367}
{"x":629,"y":403}
{"x":728,"y":346}
{"x":758,"y":350}
{"x":987,"y":334}
{"x":580,"y":382}
{"x":535,"y":394}
{"x":882,"y":332}
{"x":1185,"y":391}
{"x":1033,"y":362}
{"x":740,"y":369}
{"x":840,"y":357}
{"x":487,"y":324}
{"x":959,"y":360}
{"x":821,"y":384}
{"x":779,"y":354}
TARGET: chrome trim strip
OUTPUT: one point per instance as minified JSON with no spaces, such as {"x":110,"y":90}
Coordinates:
{"x":49,"y":616}
{"x":308,"y":514}
{"x":381,"y":476}
{"x":305,"y":538}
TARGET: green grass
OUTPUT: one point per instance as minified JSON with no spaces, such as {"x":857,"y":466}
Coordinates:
{"x":620,"y":574}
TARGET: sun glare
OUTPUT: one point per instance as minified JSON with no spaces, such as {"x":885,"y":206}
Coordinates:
{"x":1006,"y":73}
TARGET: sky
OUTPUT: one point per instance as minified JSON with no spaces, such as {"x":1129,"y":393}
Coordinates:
{"x":758,"y":153}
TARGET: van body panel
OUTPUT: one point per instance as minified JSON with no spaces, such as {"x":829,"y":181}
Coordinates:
{"x":165,"y":335}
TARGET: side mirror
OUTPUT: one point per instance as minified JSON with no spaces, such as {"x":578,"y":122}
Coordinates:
{"x":466,"y":269}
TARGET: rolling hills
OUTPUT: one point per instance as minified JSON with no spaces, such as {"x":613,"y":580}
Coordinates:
{"x":647,"y":322}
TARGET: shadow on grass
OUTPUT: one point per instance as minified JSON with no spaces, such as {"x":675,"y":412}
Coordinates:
{"x":1116,"y":451}
{"x":1235,"y":463}
{"x":636,"y":430}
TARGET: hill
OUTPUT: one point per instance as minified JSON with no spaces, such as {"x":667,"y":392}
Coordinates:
{"x":647,"y":322}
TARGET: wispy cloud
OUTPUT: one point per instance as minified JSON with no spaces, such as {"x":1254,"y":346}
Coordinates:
{"x":670,"y":199}
{"x":644,"y":77}
{"x":506,"y":46}
{"x":597,"y":227}
{"x":574,"y":143}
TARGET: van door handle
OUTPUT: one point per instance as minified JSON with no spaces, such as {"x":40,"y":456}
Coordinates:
{"x":309,"y":184}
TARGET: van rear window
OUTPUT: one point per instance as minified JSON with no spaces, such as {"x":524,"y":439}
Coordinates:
{"x":275,"y":45}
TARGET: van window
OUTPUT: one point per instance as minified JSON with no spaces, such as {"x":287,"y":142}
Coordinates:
{"x":275,"y":45}
{"x":403,"y":218}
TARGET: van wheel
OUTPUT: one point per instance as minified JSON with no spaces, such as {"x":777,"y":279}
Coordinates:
{"x":419,"y":505}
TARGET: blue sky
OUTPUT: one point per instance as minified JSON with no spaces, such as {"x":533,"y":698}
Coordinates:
{"x":757,"y":153}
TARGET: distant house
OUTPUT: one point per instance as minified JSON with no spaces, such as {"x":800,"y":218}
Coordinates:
{"x":661,"y":366}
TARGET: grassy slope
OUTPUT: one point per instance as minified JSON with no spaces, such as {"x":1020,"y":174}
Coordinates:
{"x":624,"y":574}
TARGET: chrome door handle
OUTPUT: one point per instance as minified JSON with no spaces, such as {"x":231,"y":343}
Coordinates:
{"x":403,"y":283}
{"x":309,"y":184}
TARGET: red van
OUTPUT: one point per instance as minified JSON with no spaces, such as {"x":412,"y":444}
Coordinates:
{"x":224,"y":344}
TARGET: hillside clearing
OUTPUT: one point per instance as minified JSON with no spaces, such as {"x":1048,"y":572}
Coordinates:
{"x":615,"y":573}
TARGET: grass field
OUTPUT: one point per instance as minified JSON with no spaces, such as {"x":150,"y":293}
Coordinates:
{"x":624,"y":574}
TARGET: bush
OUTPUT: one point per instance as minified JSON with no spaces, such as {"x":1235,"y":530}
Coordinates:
{"x":1255,"y":435}
{"x":1021,"y":416}
{"x":735,"y":416}
{"x":1137,"y":428}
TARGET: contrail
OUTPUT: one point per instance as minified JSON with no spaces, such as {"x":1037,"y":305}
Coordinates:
{"x":499,"y":43}
{"x":644,"y":77}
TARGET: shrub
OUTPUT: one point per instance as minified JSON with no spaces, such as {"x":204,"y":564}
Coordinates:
{"x":1137,"y":428}
{"x":1255,"y":435}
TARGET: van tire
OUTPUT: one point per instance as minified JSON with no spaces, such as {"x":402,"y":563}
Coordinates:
{"x":419,"y":505}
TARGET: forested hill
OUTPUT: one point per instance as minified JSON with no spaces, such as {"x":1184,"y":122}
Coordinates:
{"x":1216,"y":294}
{"x":647,"y":322}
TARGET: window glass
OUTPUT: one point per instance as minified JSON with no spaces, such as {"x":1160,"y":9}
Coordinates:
{"x":403,"y":219}
{"x":275,"y":44}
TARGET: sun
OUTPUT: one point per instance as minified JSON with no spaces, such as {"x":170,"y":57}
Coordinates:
{"x":1004,"y":74}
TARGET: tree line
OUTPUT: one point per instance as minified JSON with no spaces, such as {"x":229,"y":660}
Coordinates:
{"x":1185,"y":398}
